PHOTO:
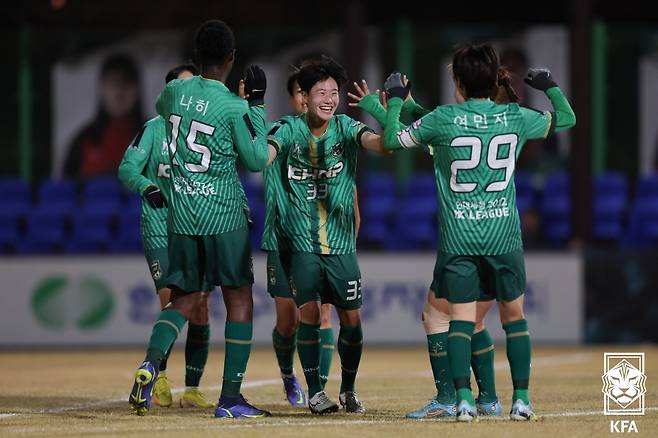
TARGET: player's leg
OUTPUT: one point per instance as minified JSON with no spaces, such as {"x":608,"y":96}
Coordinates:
{"x":229,"y":265}
{"x":196,"y":354}
{"x":162,"y":390}
{"x":510,"y":284}
{"x":183,"y":280}
{"x":344,"y":278}
{"x":436,"y":321}
{"x":482,"y":363}
{"x":307,"y":279}
{"x":326,"y":343}
{"x":458,"y":278}
{"x":284,"y":334}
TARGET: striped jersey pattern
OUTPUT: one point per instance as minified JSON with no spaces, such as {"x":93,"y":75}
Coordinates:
{"x":474,"y":147}
{"x":319,"y":183}
{"x":206,"y":195}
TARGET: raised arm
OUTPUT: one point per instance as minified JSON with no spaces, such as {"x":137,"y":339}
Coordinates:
{"x":249,"y":131}
{"x":563,"y":115}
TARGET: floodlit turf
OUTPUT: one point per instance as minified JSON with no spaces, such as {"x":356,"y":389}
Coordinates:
{"x":76,"y":393}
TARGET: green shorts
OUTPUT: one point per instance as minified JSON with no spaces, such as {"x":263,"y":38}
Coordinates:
{"x":277,"y":281}
{"x":468,"y":278}
{"x":158,"y":263}
{"x":334,"y":279}
{"x":196,"y":262}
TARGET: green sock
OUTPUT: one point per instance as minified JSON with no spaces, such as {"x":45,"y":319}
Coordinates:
{"x":437,"y":346}
{"x":459,"y":356}
{"x":237,"y":336}
{"x":196,"y":353}
{"x":519,"y":351}
{"x":326,"y":353}
{"x":284,"y":348}
{"x":165,"y":358}
{"x":350,"y":347}
{"x":482,"y":362}
{"x":308,"y":346}
{"x":165,"y":331}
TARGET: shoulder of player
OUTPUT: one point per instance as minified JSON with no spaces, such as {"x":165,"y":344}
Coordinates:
{"x":155,"y":123}
{"x":289,"y":121}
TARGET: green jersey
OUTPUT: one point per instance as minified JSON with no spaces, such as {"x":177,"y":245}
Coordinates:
{"x":319,"y":183}
{"x":275,"y":195}
{"x":146,"y":163}
{"x":475,"y":147}
{"x":209,"y":128}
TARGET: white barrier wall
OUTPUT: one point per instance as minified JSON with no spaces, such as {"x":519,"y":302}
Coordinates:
{"x":111,"y":300}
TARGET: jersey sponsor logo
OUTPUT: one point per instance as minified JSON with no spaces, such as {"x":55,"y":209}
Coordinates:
{"x":164,"y":170}
{"x":493,"y":209}
{"x":297,"y":174}
{"x":184,"y":186}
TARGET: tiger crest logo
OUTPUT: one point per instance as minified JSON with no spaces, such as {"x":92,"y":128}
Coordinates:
{"x":624,"y":383}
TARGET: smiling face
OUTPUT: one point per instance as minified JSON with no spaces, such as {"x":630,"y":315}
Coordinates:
{"x":322,"y":99}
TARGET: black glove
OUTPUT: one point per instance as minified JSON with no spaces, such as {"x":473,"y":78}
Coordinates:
{"x":155,"y":197}
{"x":395,"y":87}
{"x":255,"y":84}
{"x":540,"y":79}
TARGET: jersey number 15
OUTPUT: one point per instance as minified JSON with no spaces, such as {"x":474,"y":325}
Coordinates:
{"x":190,"y":142}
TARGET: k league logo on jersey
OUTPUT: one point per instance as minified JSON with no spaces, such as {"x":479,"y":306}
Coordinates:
{"x":624,"y":383}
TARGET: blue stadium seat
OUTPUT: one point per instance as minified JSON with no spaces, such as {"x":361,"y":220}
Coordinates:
{"x":525,"y":194}
{"x":557,"y":183}
{"x":643,"y":223}
{"x":647,"y":186}
{"x":378,"y":184}
{"x":252,"y":188}
{"x":555,"y":213}
{"x":9,"y":231}
{"x":91,"y":231}
{"x":421,"y":184}
{"x":45,"y":232}
{"x":415,"y":223}
{"x":610,"y":199}
{"x":103,"y":192}
{"x":128,"y":237}
{"x":15,"y":195}
{"x":57,"y":196}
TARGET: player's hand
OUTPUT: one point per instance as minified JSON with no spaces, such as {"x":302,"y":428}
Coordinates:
{"x":395,"y":86}
{"x":361,"y":92}
{"x":255,"y":84}
{"x":155,"y":197}
{"x":241,"y":91}
{"x":540,"y":79}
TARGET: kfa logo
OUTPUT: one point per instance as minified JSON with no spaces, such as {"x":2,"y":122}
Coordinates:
{"x":156,"y":270}
{"x":624,"y":387}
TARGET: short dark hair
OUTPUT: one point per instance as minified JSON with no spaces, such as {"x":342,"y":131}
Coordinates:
{"x":123,"y":64}
{"x":174,"y":72}
{"x":319,"y":70}
{"x":303,"y":62}
{"x":476,"y":68}
{"x":214,"y":40}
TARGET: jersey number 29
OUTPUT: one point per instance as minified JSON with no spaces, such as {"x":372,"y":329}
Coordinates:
{"x":493,"y":161}
{"x":190,"y":141}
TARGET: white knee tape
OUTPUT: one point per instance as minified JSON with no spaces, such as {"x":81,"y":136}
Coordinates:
{"x":434,"y":320}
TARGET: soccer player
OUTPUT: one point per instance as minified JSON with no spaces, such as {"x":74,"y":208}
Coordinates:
{"x":145,"y":170}
{"x":319,"y":151}
{"x":209,"y":129}
{"x":284,"y":333}
{"x":436,"y":312}
{"x":476,"y":143}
